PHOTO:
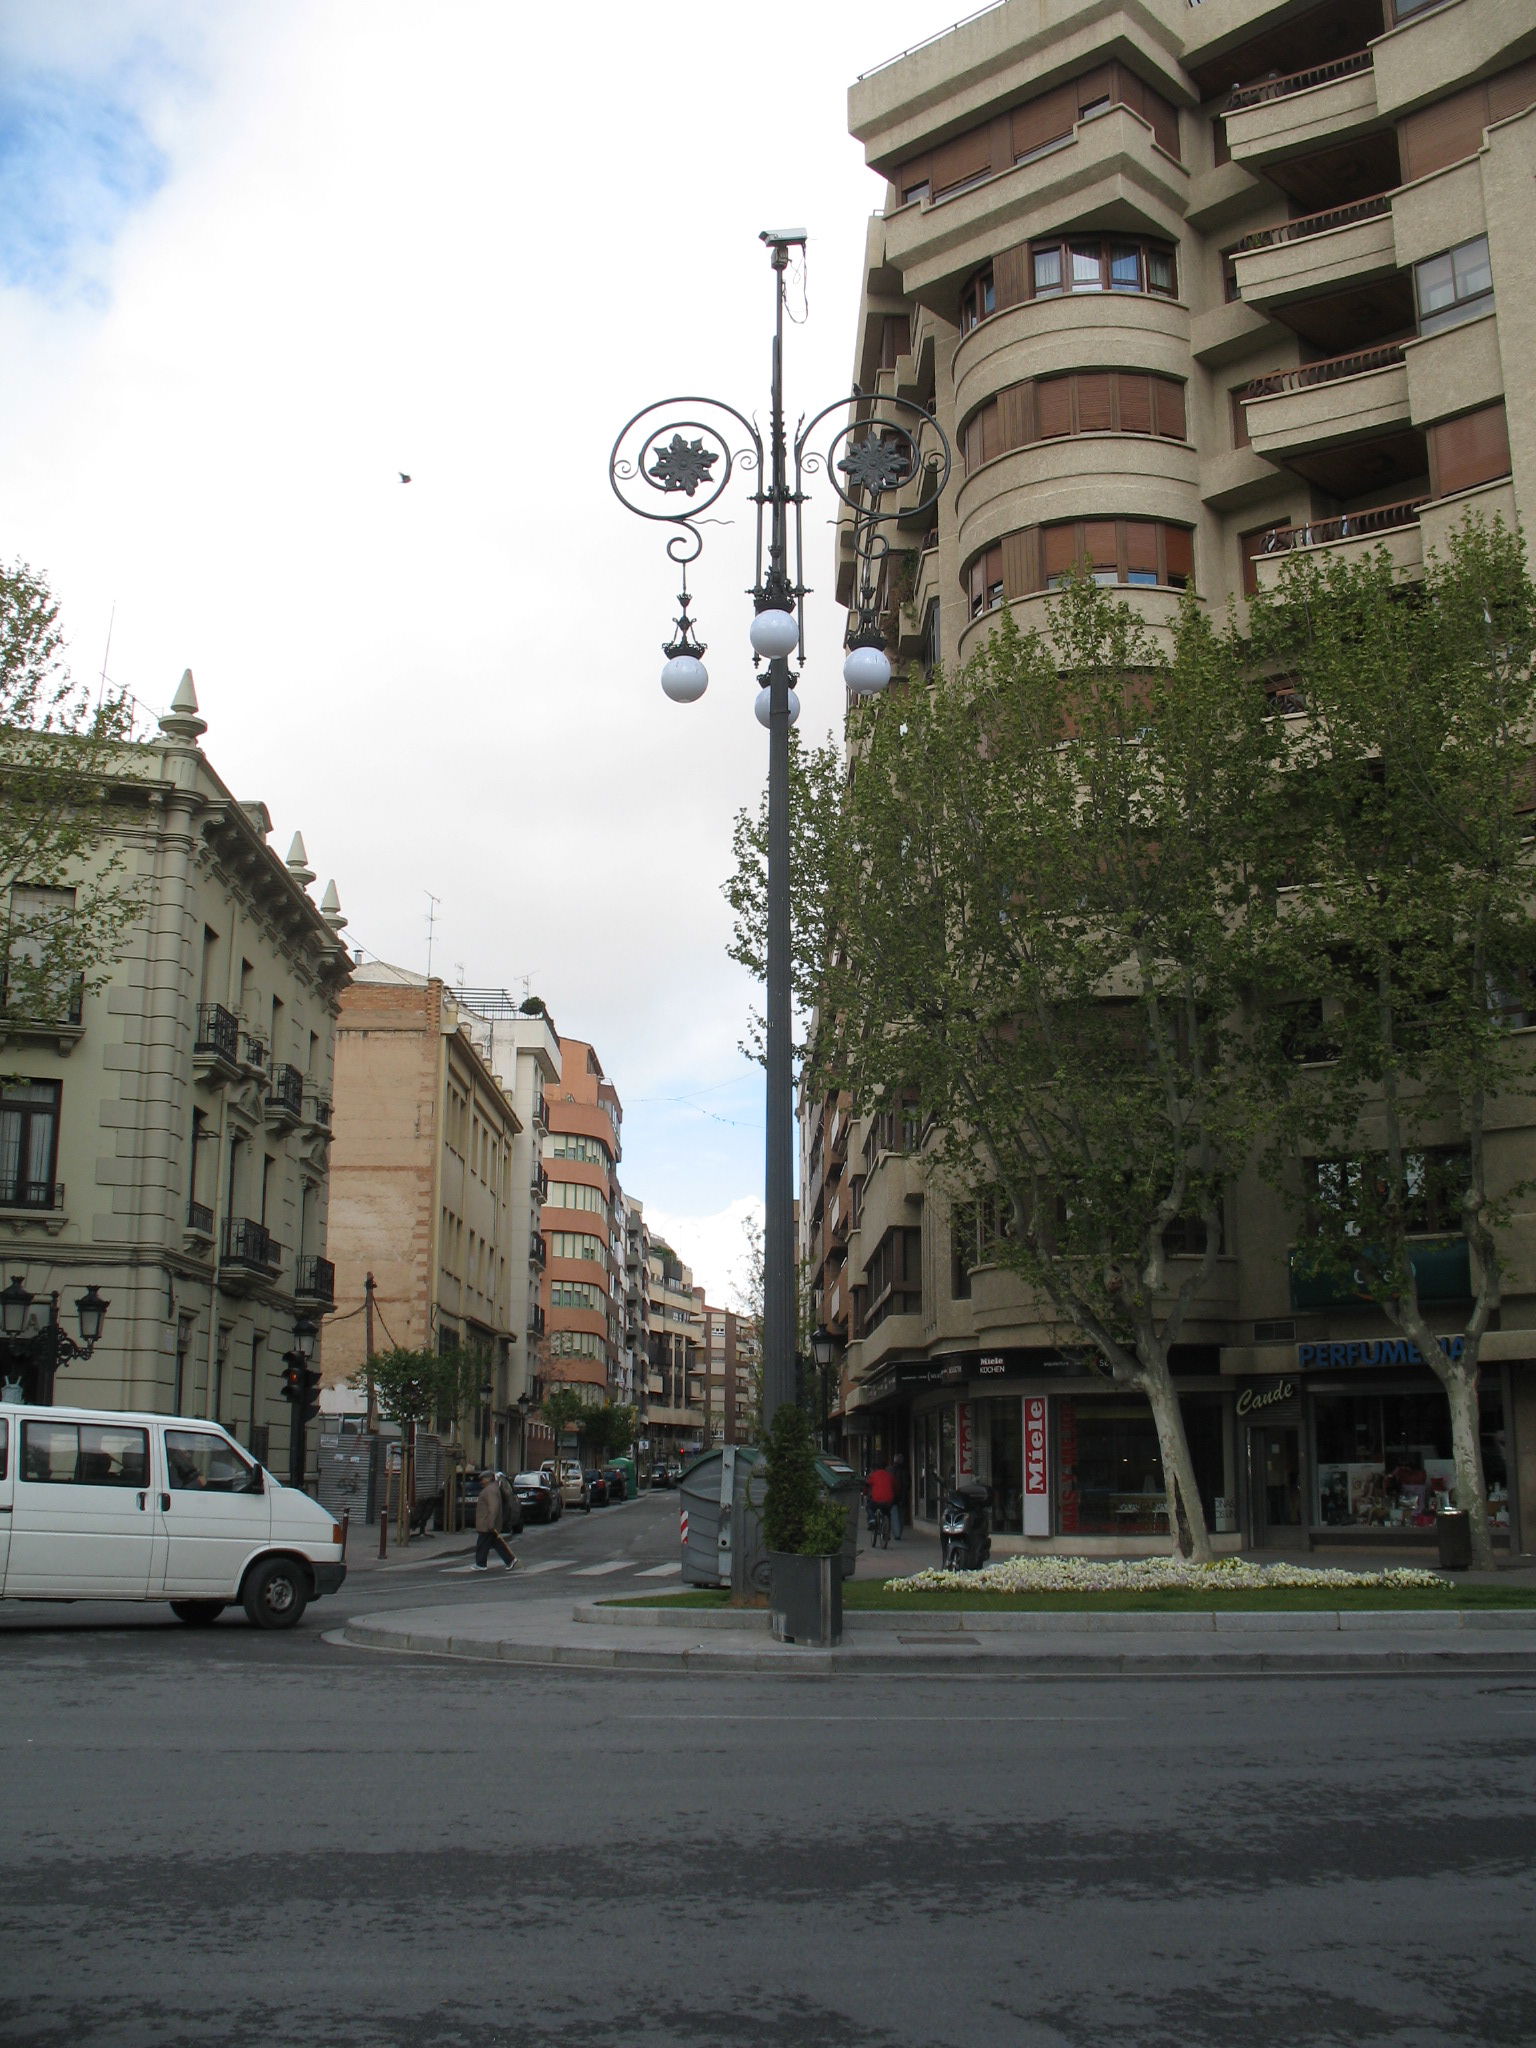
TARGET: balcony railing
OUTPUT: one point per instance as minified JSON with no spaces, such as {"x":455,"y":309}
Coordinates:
{"x":31,"y":1194}
{"x":1316,"y":223}
{"x":200,"y":1218}
{"x":1316,"y":533}
{"x":285,"y":1091}
{"x":1297,"y":81}
{"x":538,"y":1250}
{"x":218,"y":1032}
{"x":535,"y":1320}
{"x":253,"y":1050}
{"x":316,"y":1281}
{"x":1328,"y":371}
{"x":319,"y":1111}
{"x":251,"y":1244}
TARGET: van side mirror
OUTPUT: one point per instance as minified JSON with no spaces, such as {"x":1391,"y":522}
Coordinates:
{"x":255,"y":1484}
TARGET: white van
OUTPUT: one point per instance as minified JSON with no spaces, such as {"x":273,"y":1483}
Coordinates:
{"x":97,"y":1505}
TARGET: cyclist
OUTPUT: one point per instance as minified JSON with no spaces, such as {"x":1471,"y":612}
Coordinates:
{"x":880,"y":1497}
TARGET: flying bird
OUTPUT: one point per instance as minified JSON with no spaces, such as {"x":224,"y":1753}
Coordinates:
{"x":403,"y":477}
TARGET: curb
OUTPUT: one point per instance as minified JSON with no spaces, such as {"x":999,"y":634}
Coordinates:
{"x":1325,"y":1621}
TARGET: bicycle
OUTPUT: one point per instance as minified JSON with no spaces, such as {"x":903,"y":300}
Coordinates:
{"x":879,"y":1526}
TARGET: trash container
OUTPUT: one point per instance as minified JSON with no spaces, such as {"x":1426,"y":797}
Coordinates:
{"x":1453,"y":1533}
{"x":714,"y":1516}
{"x":843,"y":1485}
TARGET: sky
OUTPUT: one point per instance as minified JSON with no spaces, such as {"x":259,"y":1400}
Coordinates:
{"x":260,"y":257}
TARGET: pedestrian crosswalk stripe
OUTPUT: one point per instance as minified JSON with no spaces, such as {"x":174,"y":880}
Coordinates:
{"x":660,"y":1571}
{"x":597,"y":1571}
{"x":545,"y":1564}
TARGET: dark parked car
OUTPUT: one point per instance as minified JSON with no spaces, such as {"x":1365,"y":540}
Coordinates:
{"x":469,"y":1494}
{"x":596,"y":1484}
{"x":661,"y":1475}
{"x":539,"y":1496}
{"x":618,"y":1484}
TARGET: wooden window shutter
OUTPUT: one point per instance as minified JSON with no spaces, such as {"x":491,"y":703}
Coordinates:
{"x":968,"y":156}
{"x":1095,"y":401}
{"x":1060,"y":548}
{"x":1444,"y":133}
{"x":1135,"y":402}
{"x":1179,"y":545}
{"x":895,"y":339}
{"x":1241,"y":438}
{"x":1468,"y":451}
{"x":991,"y":441}
{"x":1021,"y":562}
{"x":1141,"y":538}
{"x":1512,"y":91}
{"x":1049,"y":118}
{"x":1164,"y":117}
{"x":1053,"y":406}
{"x":1101,"y":544}
{"x":1016,"y":416}
{"x":1010,"y":276}
{"x":917,"y":172}
{"x":1102,"y":83}
{"x":1168,"y":407}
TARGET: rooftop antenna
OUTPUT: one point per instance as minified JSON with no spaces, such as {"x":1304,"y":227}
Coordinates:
{"x":436,"y":902}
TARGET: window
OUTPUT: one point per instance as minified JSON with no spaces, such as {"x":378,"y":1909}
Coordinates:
{"x":198,"y":1461}
{"x":1469,"y":451}
{"x":29,"y":1142}
{"x":1099,"y":263}
{"x":39,"y":983}
{"x":978,"y":301}
{"x":575,"y":1244}
{"x":571,"y":1145}
{"x":5,"y":1447}
{"x":575,"y":1294}
{"x":1454,"y":287}
{"x":894,"y":1277}
{"x":1133,"y":551}
{"x":984,"y":581}
{"x":1358,"y":1189}
{"x":1385,"y":1461}
{"x":1451,"y":128}
{"x":84,"y":1454}
{"x":576,"y":1344}
{"x":573,"y":1194}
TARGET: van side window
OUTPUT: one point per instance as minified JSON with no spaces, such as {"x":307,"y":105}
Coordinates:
{"x":5,"y":1445}
{"x":84,"y":1454}
{"x":198,"y":1460}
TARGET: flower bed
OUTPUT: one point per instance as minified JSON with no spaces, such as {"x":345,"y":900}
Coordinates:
{"x":1152,"y":1575}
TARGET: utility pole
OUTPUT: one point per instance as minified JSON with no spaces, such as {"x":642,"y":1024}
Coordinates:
{"x":372,"y":1418}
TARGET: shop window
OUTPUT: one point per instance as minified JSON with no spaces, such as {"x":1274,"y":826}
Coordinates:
{"x":1453,"y":287}
{"x":1385,"y":1461}
{"x":1469,"y":451}
{"x":1102,"y":263}
{"x":1110,"y":1470}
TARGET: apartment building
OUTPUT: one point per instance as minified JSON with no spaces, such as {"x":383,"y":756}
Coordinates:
{"x":730,"y":1361}
{"x":1190,"y":287}
{"x":423,"y":1192}
{"x":582,"y":1291}
{"x":675,"y":1408}
{"x":166,"y":1138}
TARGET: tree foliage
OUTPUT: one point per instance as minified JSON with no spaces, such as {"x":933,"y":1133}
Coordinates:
{"x":421,"y":1386}
{"x":64,"y":891}
{"x":797,"y":1516}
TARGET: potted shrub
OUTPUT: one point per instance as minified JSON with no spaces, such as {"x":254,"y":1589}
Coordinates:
{"x":803,"y":1531}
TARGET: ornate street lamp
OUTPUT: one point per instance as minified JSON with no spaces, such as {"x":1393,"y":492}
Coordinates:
{"x":887,"y":458}
{"x":40,"y":1351}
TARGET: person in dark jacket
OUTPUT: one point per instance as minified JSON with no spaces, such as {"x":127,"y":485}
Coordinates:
{"x":488,"y":1510}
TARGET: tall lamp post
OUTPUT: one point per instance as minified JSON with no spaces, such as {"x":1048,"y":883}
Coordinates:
{"x":887,"y":458}
{"x":40,"y":1351}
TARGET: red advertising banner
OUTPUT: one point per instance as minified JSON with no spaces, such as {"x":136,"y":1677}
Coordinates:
{"x":965,"y":1440}
{"x":1037,"y":1468}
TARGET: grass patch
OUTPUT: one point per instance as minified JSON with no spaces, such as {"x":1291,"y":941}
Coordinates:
{"x":872,"y":1596}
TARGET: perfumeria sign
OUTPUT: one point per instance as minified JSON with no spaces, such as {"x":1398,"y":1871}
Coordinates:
{"x":1380,"y":1351}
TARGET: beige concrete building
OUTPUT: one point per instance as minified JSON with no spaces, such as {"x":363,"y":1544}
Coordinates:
{"x":422,"y":1188}
{"x":730,"y":1358}
{"x":675,"y":1404}
{"x":167,"y":1139}
{"x":1190,"y":288}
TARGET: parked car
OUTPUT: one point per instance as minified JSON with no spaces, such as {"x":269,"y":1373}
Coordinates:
{"x":538,"y":1496}
{"x":571,"y":1480}
{"x":618,"y":1483}
{"x":597,"y":1494}
{"x":661,"y":1475}
{"x":469,"y":1495}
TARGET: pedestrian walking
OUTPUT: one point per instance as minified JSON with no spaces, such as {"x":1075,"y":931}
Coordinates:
{"x":488,"y":1506}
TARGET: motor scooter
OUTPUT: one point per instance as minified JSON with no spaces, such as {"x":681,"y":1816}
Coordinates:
{"x":965,"y":1527}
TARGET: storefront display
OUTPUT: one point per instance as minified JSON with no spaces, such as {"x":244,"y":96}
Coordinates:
{"x":1384,"y":1460}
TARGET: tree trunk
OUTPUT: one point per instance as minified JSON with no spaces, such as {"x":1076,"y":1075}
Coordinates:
{"x":1460,"y":1382}
{"x":1186,"y":1517}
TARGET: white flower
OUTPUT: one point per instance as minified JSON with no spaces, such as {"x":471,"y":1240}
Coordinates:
{"x":1110,"y":1575}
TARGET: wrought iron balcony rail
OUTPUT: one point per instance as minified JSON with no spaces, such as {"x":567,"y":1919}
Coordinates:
{"x":1315,"y":533}
{"x":1297,"y":81}
{"x":1307,"y":224}
{"x":252,"y":1050}
{"x":538,"y":1250}
{"x":535,"y":1321}
{"x":200,"y":1218}
{"x":1328,"y":371}
{"x":31,"y":1194}
{"x":218,"y":1031}
{"x":247,"y":1243}
{"x":285,"y":1090}
{"x":316,"y":1280}
{"x":320,"y":1111}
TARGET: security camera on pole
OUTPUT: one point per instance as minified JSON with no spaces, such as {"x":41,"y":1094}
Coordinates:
{"x":887,"y":458}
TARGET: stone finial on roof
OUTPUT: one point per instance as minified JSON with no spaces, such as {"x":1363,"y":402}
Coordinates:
{"x":181,"y":722}
{"x":298,"y":862}
{"x":330,"y":908}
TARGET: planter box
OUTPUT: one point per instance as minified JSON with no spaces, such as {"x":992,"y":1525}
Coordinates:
{"x":807,"y":1600}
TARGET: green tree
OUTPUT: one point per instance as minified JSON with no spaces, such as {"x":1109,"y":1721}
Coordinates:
{"x":1410,"y":949}
{"x":609,"y":1430}
{"x":564,"y":1407}
{"x":797,"y":1516}
{"x":1027,"y":938}
{"x":64,"y":894}
{"x":421,"y":1386}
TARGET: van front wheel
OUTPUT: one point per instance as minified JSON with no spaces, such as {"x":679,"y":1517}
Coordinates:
{"x":276,"y":1593}
{"x":197,"y":1613}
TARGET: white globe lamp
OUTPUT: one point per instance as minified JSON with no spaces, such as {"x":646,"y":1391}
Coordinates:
{"x":774,"y":634}
{"x":763,"y":708}
{"x":867,"y":671}
{"x":685,"y":679}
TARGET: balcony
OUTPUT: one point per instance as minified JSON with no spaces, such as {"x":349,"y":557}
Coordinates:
{"x":317,"y":1112}
{"x":1316,"y":253}
{"x":1302,"y":111}
{"x":535,"y":1320}
{"x":538,"y":1250}
{"x":251,"y":1254}
{"x":253,"y":1052}
{"x":1394,"y":526}
{"x":32,"y":1197}
{"x":1344,"y":397}
{"x":216,"y":1043}
{"x":285,"y":1094}
{"x":315,"y":1284}
{"x":200,"y":1220}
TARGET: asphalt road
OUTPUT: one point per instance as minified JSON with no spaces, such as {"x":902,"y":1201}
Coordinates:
{"x":231,"y":1837}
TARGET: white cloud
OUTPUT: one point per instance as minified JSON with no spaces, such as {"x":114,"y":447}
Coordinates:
{"x":716,"y":1248}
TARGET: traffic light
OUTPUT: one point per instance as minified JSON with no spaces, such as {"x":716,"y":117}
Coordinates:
{"x":309,"y":1382}
{"x":294,"y":1386}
